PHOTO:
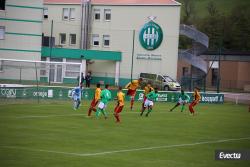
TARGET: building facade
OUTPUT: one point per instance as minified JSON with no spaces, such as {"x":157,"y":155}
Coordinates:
{"x":232,"y":73}
{"x":146,"y":33}
{"x":20,"y":32}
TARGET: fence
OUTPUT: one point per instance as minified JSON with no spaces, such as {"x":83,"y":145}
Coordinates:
{"x":189,"y":83}
{"x":64,"y":93}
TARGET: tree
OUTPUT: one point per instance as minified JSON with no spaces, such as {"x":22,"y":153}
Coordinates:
{"x":211,"y":8}
{"x":239,"y":29}
{"x":188,"y":11}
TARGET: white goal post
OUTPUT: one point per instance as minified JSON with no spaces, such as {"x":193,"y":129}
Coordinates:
{"x":15,"y":70}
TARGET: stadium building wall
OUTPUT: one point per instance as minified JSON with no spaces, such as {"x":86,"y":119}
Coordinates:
{"x":21,"y":37}
{"x":125,"y":19}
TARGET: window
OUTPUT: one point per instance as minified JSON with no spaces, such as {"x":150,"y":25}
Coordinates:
{"x":2,"y":4}
{"x":2,"y":32}
{"x":97,"y":14}
{"x":72,"y":14}
{"x":69,"y":13}
{"x":72,"y":70}
{"x":72,"y":38}
{"x":45,"y":13}
{"x":46,"y":41}
{"x":106,"y":40}
{"x":62,"y":38}
{"x":160,"y":78}
{"x":95,"y":39}
{"x":107,"y":14}
{"x":43,"y":67}
{"x":65,"y":13}
{"x":148,"y":76}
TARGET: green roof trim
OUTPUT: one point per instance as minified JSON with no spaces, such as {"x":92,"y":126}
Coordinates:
{"x":21,"y":6}
{"x":19,"y":50}
{"x":23,"y":34}
{"x":21,"y":20}
{"x":81,"y":54}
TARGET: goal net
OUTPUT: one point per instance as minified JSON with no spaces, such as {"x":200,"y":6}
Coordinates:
{"x":28,"y":79}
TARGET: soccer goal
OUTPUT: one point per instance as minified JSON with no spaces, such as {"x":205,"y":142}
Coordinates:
{"x":38,"y":79}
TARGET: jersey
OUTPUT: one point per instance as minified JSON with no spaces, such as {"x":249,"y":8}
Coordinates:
{"x":120,"y":98}
{"x":152,"y":96}
{"x":133,"y":85}
{"x":147,"y":89}
{"x":197,"y":96}
{"x":105,"y":96}
{"x":97,"y":94}
{"x":184,"y":97}
{"x":76,"y":93}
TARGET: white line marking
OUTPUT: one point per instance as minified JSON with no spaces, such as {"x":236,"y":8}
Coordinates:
{"x":46,"y":116}
{"x":127,"y":150}
{"x":66,"y":115}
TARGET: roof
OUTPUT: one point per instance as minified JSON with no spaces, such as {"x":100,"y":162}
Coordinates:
{"x":227,"y":52}
{"x":62,"y":1}
{"x":116,"y":2}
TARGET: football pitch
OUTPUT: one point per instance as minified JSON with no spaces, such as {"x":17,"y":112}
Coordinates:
{"x":54,"y":134}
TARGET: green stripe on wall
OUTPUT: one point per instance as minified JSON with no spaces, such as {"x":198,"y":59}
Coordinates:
{"x":19,"y":50}
{"x":24,"y":34}
{"x":78,"y":53}
{"x":29,"y":7}
{"x":21,"y":20}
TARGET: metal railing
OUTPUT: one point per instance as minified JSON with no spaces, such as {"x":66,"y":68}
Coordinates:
{"x":201,"y":42}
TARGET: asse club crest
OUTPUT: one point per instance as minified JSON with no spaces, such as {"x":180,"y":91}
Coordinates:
{"x":151,"y":36}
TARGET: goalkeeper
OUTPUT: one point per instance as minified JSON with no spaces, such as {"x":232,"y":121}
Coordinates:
{"x":76,"y":96}
{"x":183,"y":99}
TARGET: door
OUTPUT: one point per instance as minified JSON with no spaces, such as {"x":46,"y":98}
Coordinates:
{"x":55,"y":74}
{"x":58,"y":73}
{"x":214,"y":76}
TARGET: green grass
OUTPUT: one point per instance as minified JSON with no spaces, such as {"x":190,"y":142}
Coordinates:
{"x":26,"y":139}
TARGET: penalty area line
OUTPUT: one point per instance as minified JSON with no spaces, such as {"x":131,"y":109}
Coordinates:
{"x":126,"y":150}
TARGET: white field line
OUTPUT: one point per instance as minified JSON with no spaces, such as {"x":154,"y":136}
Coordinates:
{"x":68,"y":115}
{"x":126,"y":150}
{"x":46,"y":116}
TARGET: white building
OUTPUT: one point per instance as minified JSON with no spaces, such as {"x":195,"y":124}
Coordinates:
{"x":115,"y":26}
{"x":20,"y":32}
{"x":114,"y":39}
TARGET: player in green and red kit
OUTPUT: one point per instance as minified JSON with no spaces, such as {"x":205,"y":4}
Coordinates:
{"x":105,"y":98}
{"x":120,"y":104}
{"x":196,"y":100}
{"x":149,"y":103}
{"x":183,"y":99}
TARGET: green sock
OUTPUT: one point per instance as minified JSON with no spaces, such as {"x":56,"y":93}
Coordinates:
{"x":182,"y":108}
{"x":104,"y":113}
{"x":149,"y":111}
{"x":97,"y":114}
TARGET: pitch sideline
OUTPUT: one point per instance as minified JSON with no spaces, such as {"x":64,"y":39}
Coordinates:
{"x":126,"y":150}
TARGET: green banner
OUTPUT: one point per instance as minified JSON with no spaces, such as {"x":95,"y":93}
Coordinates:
{"x":64,"y":93}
